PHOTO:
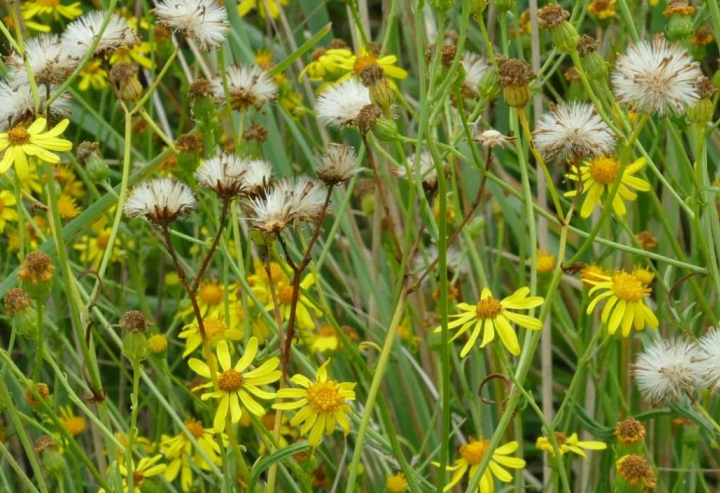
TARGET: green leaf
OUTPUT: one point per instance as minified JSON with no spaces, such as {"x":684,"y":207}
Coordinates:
{"x":305,"y":47}
{"x":593,"y":426}
{"x":274,"y":458}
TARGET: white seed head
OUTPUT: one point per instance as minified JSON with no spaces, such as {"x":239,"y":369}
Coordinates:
{"x":491,"y":138}
{"x":572,"y":131}
{"x":80,"y":34}
{"x":161,"y":200}
{"x":338,"y":164}
{"x":248,"y":85}
{"x":49,"y":60}
{"x":17,"y":104}
{"x":223,"y":174}
{"x":340,"y":105}
{"x":258,"y":176}
{"x":668,"y":369}
{"x":271,"y":213}
{"x":307,"y":197}
{"x":656,"y":77}
{"x":710,"y":366}
{"x":475,"y":67}
{"x":203,"y":21}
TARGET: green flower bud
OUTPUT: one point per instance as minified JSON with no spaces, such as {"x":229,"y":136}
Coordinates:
{"x":24,"y":317}
{"x":386,"y":130}
{"x":505,"y":6}
{"x":564,"y":36}
{"x":489,"y":85}
{"x":477,"y":7}
{"x":135,"y":346}
{"x":442,"y":5}
{"x":51,"y":457}
{"x":679,"y":27}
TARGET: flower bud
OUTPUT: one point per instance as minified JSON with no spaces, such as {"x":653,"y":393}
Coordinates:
{"x":36,"y":273}
{"x":135,"y":346}
{"x":42,"y":390}
{"x":124,"y":77}
{"x":515,"y":76}
{"x":253,"y":139}
{"x":702,"y":111}
{"x":95,"y":166}
{"x":634,"y":474}
{"x":442,"y":5}
{"x":505,"y":6}
{"x":386,"y":130}
{"x":24,"y":317}
{"x":489,"y":85}
{"x":477,"y":7}
{"x":50,"y":456}
{"x":680,"y":23}
{"x":564,"y":36}
{"x":630,"y":434}
{"x":158,"y":344}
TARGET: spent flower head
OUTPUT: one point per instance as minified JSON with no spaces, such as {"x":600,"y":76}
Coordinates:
{"x":341,"y":104}
{"x":338,"y":164}
{"x":80,"y":34}
{"x":224,"y":174}
{"x":202,"y":21}
{"x":710,"y":354}
{"x":161,"y":200}
{"x":248,"y":86}
{"x":669,"y":369}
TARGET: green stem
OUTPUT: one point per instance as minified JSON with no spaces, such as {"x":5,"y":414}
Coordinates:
{"x":40,"y":342}
{"x":135,"y":399}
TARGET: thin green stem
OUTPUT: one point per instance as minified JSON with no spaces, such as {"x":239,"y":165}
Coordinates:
{"x":133,"y":432}
{"x":40,"y":341}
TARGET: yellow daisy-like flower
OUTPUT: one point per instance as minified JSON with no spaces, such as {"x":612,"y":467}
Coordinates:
{"x":178,"y":450}
{"x":490,"y":315}
{"x":137,"y":53}
{"x":75,"y":425}
{"x":9,"y":21}
{"x":51,"y":7}
{"x":592,"y":272}
{"x":266,"y":8}
{"x":569,"y":444}
{"x":327,"y":64}
{"x":7,"y":213}
{"x":93,"y":76}
{"x":284,"y":294}
{"x":92,"y":248}
{"x":396,"y":483}
{"x":67,"y":207}
{"x":357,"y":63}
{"x":602,"y":9}
{"x":625,"y":305}
{"x":598,"y":178}
{"x":237,"y":385}
{"x":472,"y":453}
{"x":69,"y":182}
{"x":545,"y":262}
{"x":20,"y":142}
{"x":644,"y":274}
{"x":146,"y":468}
{"x":323,"y":402}
{"x":210,"y":295}
{"x":215,"y":330}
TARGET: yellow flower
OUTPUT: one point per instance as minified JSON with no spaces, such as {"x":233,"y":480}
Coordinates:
{"x":396,"y":483}
{"x":323,"y":402}
{"x":157,"y":343}
{"x":472,"y":454}
{"x":19,"y":143}
{"x":146,"y":468}
{"x":210,"y":295}
{"x":490,"y":315}
{"x":602,"y":9}
{"x":643,"y":274}
{"x":598,"y":178}
{"x":215,"y":331}
{"x":93,"y":76}
{"x":9,"y":21}
{"x":69,"y":182}
{"x":178,"y":450}
{"x":67,"y":207}
{"x":357,"y":63}
{"x":545,"y":262}
{"x":136,"y":53}
{"x":92,"y":248}
{"x":327,"y":64}
{"x":326,"y":339}
{"x":7,"y":200}
{"x":51,"y":7}
{"x":284,"y":294}
{"x":265,"y":7}
{"x":142,"y":443}
{"x":592,"y":272}
{"x":625,"y":305}
{"x":237,"y":385}
{"x":569,"y":444}
{"x":75,"y":425}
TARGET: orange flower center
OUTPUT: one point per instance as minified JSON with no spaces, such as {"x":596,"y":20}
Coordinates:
{"x":74,"y":425}
{"x":324,"y":397}
{"x":18,"y":136}
{"x":213,"y":328}
{"x":561,"y":438}
{"x":628,"y":287}
{"x":195,"y":428}
{"x":327,"y":331}
{"x":474,"y":451}
{"x":211,"y":294}
{"x":362,"y":62}
{"x":230,"y":381}
{"x":285,"y":294}
{"x":102,"y":240}
{"x":2,"y":205}
{"x":488,"y":308}
{"x":604,"y":170}
{"x":138,"y":478}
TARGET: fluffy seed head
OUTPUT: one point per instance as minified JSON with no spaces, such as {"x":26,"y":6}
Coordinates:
{"x":17,"y":104}
{"x":49,"y":59}
{"x":203,"y":21}
{"x":340,"y":105}
{"x":656,"y":77}
{"x":258,"y":176}
{"x":668,"y":369}
{"x":222,"y":174}
{"x":248,"y":85}
{"x":337,"y":164}
{"x":475,"y":67}
{"x":572,"y":131}
{"x":272,"y":213}
{"x":491,"y":138}
{"x":710,"y":366}
{"x":161,"y":200}
{"x":79,"y":35}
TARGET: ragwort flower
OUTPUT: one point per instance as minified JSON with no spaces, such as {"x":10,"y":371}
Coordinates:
{"x":569,"y":444}
{"x":20,"y":142}
{"x":236,"y":385}
{"x":323,"y":402}
{"x":147,"y":467}
{"x":266,"y":8}
{"x":472,"y":453}
{"x":625,"y":306}
{"x":598,"y":177}
{"x":490,"y":315}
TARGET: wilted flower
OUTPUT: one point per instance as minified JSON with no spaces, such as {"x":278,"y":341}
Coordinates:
{"x":48,"y":58}
{"x":491,"y":138}
{"x":572,"y":131}
{"x":338,"y":164}
{"x":340,"y":105}
{"x":222,"y":174}
{"x":656,"y":77}
{"x":428,"y":172}
{"x":80,"y":34}
{"x":248,"y":85}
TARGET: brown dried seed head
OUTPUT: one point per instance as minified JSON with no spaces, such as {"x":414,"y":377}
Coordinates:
{"x":36,"y":268}
{"x":679,"y":7}
{"x":371,"y":75}
{"x":44,"y":444}
{"x":552,"y":16}
{"x":647,"y":240}
{"x":515,"y":72}
{"x":189,"y":143}
{"x":448,"y":55}
{"x":630,"y":431}
{"x":338,"y":44}
{"x":430,"y":52}
{"x":16,"y":300}
{"x":706,"y":88}
{"x":450,"y":37}
{"x":255,"y":133}
{"x":121,"y":73}
{"x":201,"y":88}
{"x":86,"y":150}
{"x":635,"y":470}
{"x":134,"y":321}
{"x":42,"y":389}
{"x":587,"y":45}
{"x":318,"y":53}
{"x":367,"y":118}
